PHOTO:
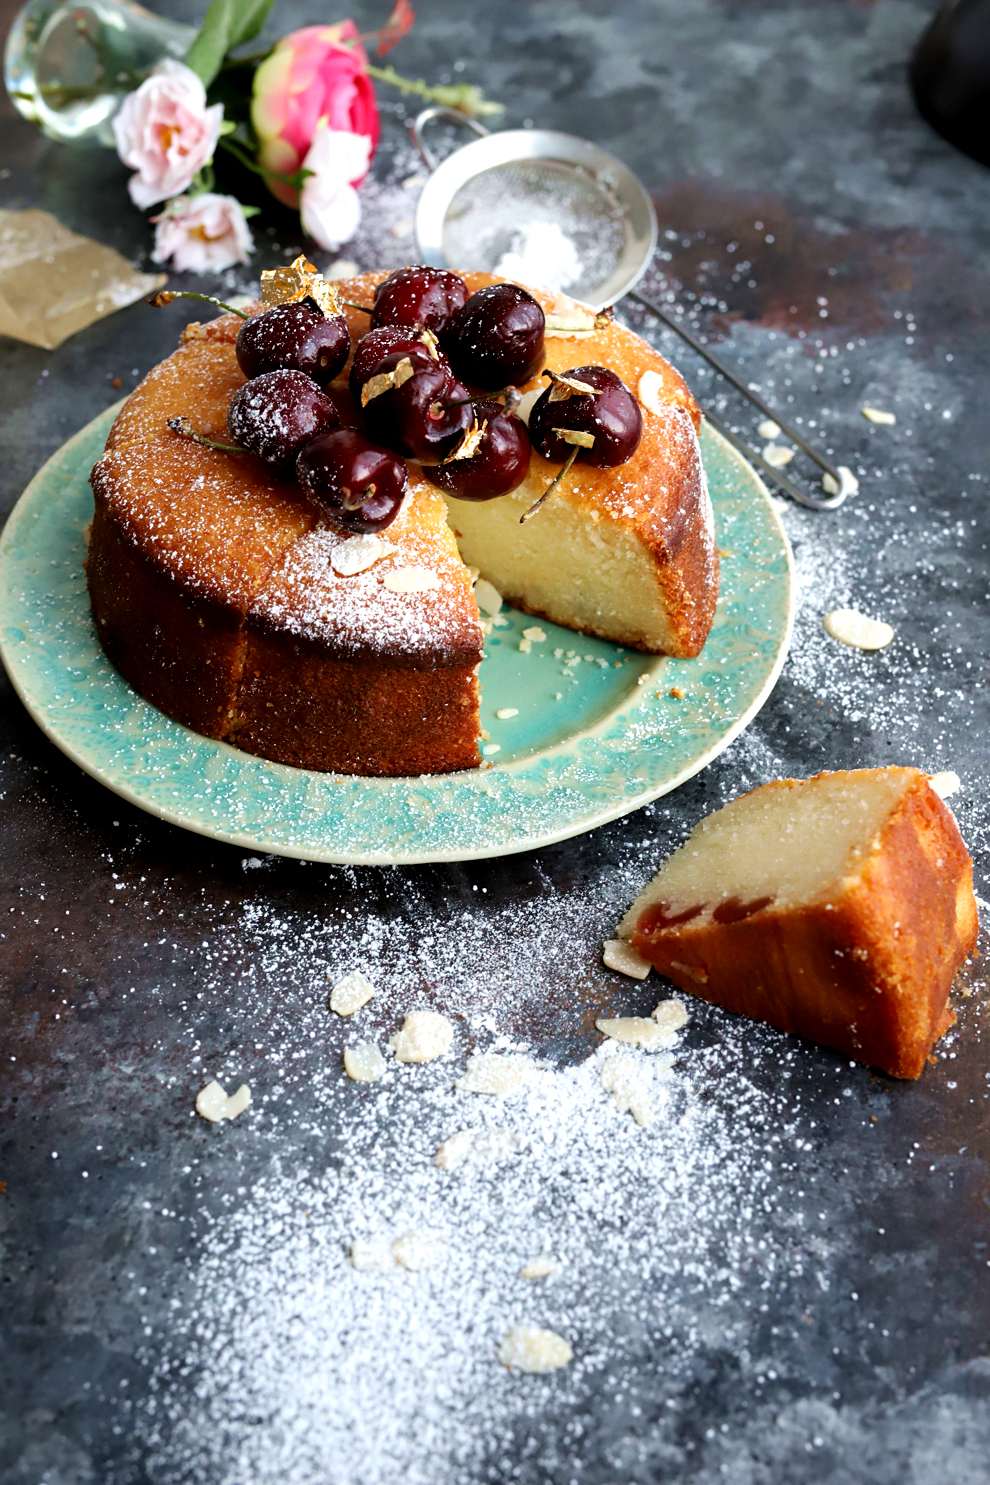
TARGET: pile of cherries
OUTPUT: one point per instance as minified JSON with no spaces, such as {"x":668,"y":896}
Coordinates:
{"x":432,"y":381}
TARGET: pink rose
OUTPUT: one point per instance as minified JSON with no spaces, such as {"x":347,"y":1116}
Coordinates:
{"x":328,"y":203}
{"x":311,"y":79}
{"x":202,"y":234}
{"x":166,"y":133}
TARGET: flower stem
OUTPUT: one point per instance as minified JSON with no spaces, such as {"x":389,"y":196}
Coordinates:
{"x":528,"y":515}
{"x":234,"y":146}
{"x":165,"y":296}
{"x":457,"y":95}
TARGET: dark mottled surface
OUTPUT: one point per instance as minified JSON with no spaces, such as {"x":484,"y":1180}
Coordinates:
{"x":838,"y":250}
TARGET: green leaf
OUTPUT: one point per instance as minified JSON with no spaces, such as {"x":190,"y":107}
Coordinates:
{"x":228,"y":23}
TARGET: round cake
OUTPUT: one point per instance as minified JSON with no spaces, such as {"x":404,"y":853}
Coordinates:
{"x":227,"y":599}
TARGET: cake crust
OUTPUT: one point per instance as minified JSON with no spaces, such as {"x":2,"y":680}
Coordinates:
{"x":866,"y":968}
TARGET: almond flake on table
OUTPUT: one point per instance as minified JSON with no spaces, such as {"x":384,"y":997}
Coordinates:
{"x":534,"y":634}
{"x":635,"y":1031}
{"x":540,"y":1267}
{"x":876,"y":415}
{"x":351,"y":993}
{"x":475,"y":1147}
{"x":425,"y":1035}
{"x":364,"y":1063}
{"x":528,"y":1348}
{"x":495,"y":1073}
{"x":488,"y":598}
{"x":849,"y":485}
{"x":505,"y":712}
{"x":213,"y":1104}
{"x":768,"y":429}
{"x":671,"y":1015}
{"x":357,"y":554}
{"x":415,"y":1251}
{"x":857,"y":631}
{"x":621,"y":1077}
{"x":777,"y":456}
{"x":946,"y":784}
{"x":410,"y":580}
{"x":624,"y":959}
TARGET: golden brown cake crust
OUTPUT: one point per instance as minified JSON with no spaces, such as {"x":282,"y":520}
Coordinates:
{"x":214,"y":594}
{"x":867,"y":971}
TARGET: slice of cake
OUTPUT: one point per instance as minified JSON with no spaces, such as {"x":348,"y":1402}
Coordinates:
{"x":838,"y":907}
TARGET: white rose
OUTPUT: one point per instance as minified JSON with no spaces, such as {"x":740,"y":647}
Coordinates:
{"x":166,"y":133}
{"x":202,"y":234}
{"x":328,"y":203}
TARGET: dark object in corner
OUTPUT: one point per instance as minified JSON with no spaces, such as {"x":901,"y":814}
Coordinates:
{"x":950,"y":76}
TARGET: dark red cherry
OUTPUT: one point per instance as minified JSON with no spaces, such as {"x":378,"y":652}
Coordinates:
{"x":496,"y":340}
{"x":294,"y":337}
{"x":425,"y":414}
{"x":498,"y":466}
{"x":420,"y":297}
{"x":357,"y":485}
{"x":611,"y":415}
{"x":375,"y":346}
{"x":275,"y":415}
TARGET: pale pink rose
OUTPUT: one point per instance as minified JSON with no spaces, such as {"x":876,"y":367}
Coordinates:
{"x":202,"y":234}
{"x":166,"y":133}
{"x":328,"y":204}
{"x":311,"y":79}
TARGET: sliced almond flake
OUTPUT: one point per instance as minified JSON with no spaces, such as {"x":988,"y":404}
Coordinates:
{"x":364,"y":1063}
{"x":505,"y":712}
{"x":856,"y":630}
{"x":875,"y":415}
{"x":776,"y":456}
{"x":635,"y":1031}
{"x":386,"y":380}
{"x":495,"y":1073}
{"x":620,"y":1076}
{"x":534,"y":634}
{"x":624,"y":959}
{"x":410,"y":580}
{"x":469,"y":444}
{"x":649,"y":389}
{"x":213,"y":1104}
{"x":351,"y":993}
{"x":425,"y":1035}
{"x":946,"y":784}
{"x":768,"y":429}
{"x":357,"y":554}
{"x":576,"y":438}
{"x":475,"y":1147}
{"x":572,"y":322}
{"x":488,"y":599}
{"x":670,"y":1015}
{"x":528,"y":1348}
{"x":527,"y":402}
{"x":540,"y":1267}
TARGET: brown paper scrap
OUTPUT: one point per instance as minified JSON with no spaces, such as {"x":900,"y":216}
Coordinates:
{"x":54,"y":282}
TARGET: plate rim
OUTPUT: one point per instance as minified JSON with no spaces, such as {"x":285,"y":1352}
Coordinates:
{"x":243,"y":841}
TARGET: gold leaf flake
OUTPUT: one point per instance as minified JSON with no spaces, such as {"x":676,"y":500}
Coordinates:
{"x":574,"y":436}
{"x":468,"y":446}
{"x":300,"y":280}
{"x":432,"y":344}
{"x":386,"y":380}
{"x":563,"y":387}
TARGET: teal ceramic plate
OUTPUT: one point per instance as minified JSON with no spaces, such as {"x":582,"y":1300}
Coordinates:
{"x":594,"y":730}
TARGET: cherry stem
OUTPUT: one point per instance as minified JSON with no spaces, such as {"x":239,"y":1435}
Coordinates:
{"x":184,"y":428}
{"x":364,"y":308}
{"x":350,"y":503}
{"x":550,"y":488}
{"x":165,"y":296}
{"x":510,"y":398}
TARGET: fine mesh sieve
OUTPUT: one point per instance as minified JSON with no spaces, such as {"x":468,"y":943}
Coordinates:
{"x":531,"y":191}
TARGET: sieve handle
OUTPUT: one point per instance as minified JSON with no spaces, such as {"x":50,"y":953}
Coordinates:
{"x":455,"y":116}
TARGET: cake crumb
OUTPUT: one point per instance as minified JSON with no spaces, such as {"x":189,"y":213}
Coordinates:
{"x":364,"y":1063}
{"x":677,"y":692}
{"x":494,"y":1073}
{"x":875,"y":415}
{"x":351,"y":993}
{"x":852,"y":628}
{"x":491,"y":748}
{"x":540,"y":1267}
{"x":777,"y":456}
{"x":425,"y":1035}
{"x":624,"y":959}
{"x":620,"y":1076}
{"x":528,"y":1348}
{"x":768,"y":429}
{"x":534,"y":634}
{"x":525,"y":646}
{"x":505,"y":712}
{"x":213,"y":1104}
{"x":410,"y":580}
{"x":946,"y":784}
